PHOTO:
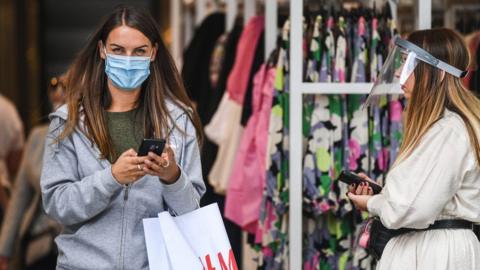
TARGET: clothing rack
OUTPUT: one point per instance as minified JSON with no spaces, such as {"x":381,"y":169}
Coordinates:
{"x":297,"y":89}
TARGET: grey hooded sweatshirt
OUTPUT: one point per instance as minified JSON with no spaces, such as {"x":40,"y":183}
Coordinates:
{"x":103,"y":219}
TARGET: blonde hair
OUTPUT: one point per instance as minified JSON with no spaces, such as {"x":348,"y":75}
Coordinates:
{"x":431,"y":94}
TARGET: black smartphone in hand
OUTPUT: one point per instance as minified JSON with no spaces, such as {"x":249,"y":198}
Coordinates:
{"x":151,"y":145}
{"x":351,"y":178}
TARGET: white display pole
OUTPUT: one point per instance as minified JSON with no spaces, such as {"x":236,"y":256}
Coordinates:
{"x":424,"y":19}
{"x":200,"y":11}
{"x":295,"y":175}
{"x":232,"y":10}
{"x":249,"y":10}
{"x":271,"y":26}
{"x":176,"y":24}
{"x":187,"y":27}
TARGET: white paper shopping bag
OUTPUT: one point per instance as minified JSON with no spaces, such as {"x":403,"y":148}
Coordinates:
{"x":196,"y":240}
{"x":156,"y":249}
{"x":166,"y":247}
{"x":205,"y":232}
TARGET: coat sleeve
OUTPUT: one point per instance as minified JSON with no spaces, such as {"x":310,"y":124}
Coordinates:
{"x":66,"y":197}
{"x":184,"y":195}
{"x":22,"y":194}
{"x":418,"y":188}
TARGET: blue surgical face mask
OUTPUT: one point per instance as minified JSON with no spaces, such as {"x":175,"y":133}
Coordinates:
{"x":127,"y":72}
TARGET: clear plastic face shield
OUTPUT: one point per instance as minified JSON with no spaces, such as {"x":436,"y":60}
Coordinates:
{"x":399,"y":65}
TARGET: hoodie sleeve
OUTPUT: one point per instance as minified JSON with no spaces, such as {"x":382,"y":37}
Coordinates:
{"x":184,"y":195}
{"x":66,"y":197}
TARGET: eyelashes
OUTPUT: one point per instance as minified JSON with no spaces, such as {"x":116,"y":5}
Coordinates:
{"x":136,"y":52}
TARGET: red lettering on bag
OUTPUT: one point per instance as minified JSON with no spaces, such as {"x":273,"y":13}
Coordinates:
{"x":209,"y":263}
{"x":232,"y":264}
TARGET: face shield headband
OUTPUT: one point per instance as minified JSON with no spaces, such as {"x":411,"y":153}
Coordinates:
{"x":426,"y":57}
{"x":399,"y":65}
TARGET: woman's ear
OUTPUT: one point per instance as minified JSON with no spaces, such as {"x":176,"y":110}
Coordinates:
{"x":154,"y":52}
{"x":101,"y":50}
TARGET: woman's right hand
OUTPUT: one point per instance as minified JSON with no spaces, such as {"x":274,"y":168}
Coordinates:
{"x":4,"y":262}
{"x":362,"y":189}
{"x":129,"y":167}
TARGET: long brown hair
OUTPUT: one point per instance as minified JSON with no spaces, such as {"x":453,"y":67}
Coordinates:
{"x":431,"y":95}
{"x":88,"y":94}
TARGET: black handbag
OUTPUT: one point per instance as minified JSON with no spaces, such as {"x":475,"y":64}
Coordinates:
{"x":379,"y":235}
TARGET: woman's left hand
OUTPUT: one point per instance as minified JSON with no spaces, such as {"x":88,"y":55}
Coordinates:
{"x":360,"y":201}
{"x":164,"y":166}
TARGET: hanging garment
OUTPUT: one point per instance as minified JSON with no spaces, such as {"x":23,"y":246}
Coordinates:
{"x":230,"y":51}
{"x":358,"y":70}
{"x":327,"y":66}
{"x":314,"y":62}
{"x":273,"y":221}
{"x":341,"y":53}
{"x":258,"y":60}
{"x":195,"y":71}
{"x":317,"y":160}
{"x":329,"y":228}
{"x":228,"y":139}
{"x":314,"y":59}
{"x":217,"y":59}
{"x":247,"y":180}
{"x":209,"y":149}
{"x":374,"y":55}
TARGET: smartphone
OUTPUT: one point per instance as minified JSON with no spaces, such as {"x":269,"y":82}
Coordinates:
{"x":151,"y":145}
{"x":351,"y":178}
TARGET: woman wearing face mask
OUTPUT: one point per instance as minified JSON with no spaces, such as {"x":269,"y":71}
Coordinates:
{"x":434,"y":185}
{"x":123,"y":87}
{"x":25,"y":225}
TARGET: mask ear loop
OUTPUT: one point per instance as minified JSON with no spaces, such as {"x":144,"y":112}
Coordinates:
{"x":105,"y":52}
{"x":152,"y":54}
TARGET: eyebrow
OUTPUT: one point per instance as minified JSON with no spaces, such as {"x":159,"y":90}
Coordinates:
{"x":113,"y":44}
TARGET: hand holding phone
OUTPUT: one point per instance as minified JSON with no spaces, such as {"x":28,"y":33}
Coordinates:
{"x":351,"y":178}
{"x":151,"y":145}
{"x":158,"y":163}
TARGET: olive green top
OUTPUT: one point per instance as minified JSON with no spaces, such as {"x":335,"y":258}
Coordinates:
{"x":125,"y":130}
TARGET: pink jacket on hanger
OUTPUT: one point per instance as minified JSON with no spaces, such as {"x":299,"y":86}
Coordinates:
{"x":244,"y":193}
{"x":238,"y":78}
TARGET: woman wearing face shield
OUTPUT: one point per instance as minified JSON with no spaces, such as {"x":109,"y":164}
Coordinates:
{"x":26,"y":229}
{"x":122,"y":87}
{"x":434,"y":185}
